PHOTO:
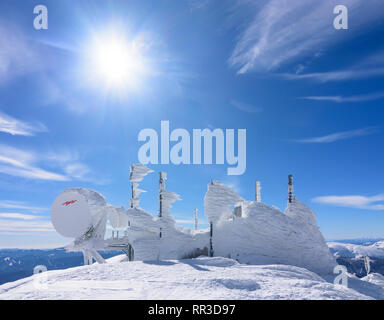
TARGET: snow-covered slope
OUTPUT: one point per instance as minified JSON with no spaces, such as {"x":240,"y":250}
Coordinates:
{"x":347,"y":250}
{"x":202,"y":278}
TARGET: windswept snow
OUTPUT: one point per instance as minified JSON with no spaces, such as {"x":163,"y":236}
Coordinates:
{"x":201,"y":278}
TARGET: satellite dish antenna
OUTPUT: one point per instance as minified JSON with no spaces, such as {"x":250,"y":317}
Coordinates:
{"x":81,"y":214}
{"x":70,"y":215}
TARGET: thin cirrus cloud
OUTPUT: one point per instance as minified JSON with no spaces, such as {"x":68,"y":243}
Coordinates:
{"x":17,"y":56}
{"x":353,"y":201}
{"x":14,"y":126}
{"x":10,"y":225}
{"x":19,"y":163}
{"x":370,"y":66}
{"x":340,"y":135}
{"x":278,"y":32}
{"x":245,"y":107}
{"x":70,"y":163}
{"x":339,"y":75}
{"x":27,"y":164}
{"x":18,"y":216}
{"x":342,"y":99}
{"x":6,"y":204}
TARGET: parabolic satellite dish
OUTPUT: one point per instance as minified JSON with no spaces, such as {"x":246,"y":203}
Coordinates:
{"x":71,"y":215}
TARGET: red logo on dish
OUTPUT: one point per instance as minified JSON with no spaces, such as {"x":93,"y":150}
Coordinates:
{"x":67,"y":203}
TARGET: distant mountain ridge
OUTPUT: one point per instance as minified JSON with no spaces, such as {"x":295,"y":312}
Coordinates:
{"x":361,"y":241}
{"x":19,"y":263}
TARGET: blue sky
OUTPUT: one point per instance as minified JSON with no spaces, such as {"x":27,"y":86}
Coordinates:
{"x":311,"y":98}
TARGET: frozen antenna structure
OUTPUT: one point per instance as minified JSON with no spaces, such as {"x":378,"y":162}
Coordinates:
{"x":162,"y":178}
{"x":81,"y":214}
{"x":166,"y":198}
{"x":255,"y":233}
{"x":138,"y":172}
{"x":290,"y":189}
{"x":257,"y":191}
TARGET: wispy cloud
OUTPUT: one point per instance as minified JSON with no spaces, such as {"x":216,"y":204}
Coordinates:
{"x":281,"y":31}
{"x":8,"y":225}
{"x":12,"y":223}
{"x":70,"y":162}
{"x":341,"y":99}
{"x":245,"y":107}
{"x":353,"y":201}
{"x":6,"y":204}
{"x":340,"y":135}
{"x":17,"y":57}
{"x":339,"y":75}
{"x":19,"y":216}
{"x":16,"y":162}
{"x":198,"y":4}
{"x":13,"y":126}
{"x":28,"y":164}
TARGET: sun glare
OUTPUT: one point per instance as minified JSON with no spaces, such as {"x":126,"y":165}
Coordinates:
{"x":117,"y":61}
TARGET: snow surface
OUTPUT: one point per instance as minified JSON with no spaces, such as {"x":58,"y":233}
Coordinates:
{"x":347,"y":250}
{"x":201,"y":278}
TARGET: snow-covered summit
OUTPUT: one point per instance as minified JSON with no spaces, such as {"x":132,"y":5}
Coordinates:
{"x":201,"y":278}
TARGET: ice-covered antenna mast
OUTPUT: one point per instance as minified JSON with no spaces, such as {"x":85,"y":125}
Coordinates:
{"x":166,"y":198}
{"x":290,"y":189}
{"x":162,"y":178}
{"x":138,"y":172}
{"x":257,"y":191}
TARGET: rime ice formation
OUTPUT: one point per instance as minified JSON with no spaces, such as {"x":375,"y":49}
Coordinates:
{"x":98,"y":209}
{"x":264,"y":234}
{"x":138,"y":172}
{"x":249,"y":231}
{"x":93,"y":236}
{"x":217,"y":201}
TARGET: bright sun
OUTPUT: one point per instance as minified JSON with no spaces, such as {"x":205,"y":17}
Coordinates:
{"x":117,"y":62}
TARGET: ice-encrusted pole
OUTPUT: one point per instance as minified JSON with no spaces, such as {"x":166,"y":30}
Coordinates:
{"x":217,"y":206}
{"x":210,"y":240}
{"x":166,"y":198}
{"x":137,"y":173}
{"x":290,"y":189}
{"x":211,"y":233}
{"x":257,"y":191}
{"x":162,"y":178}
